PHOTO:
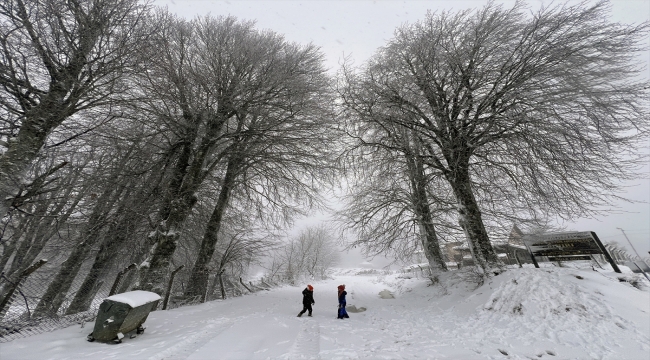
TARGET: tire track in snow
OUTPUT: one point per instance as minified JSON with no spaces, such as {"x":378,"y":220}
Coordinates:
{"x":185,"y":348}
{"x":307,"y":345}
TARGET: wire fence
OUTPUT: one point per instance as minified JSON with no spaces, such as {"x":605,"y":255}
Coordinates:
{"x":25,"y":314}
{"x":20,"y":318}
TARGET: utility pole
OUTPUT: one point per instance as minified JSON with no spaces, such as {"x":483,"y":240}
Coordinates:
{"x":629,"y":242}
{"x":637,"y":254}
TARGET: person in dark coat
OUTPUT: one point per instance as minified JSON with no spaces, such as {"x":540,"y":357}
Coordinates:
{"x":342,"y":312}
{"x":307,"y":300}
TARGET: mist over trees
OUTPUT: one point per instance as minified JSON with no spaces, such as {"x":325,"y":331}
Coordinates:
{"x":129,"y":135}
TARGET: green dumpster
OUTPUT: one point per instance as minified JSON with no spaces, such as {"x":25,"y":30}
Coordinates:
{"x":123,"y":313}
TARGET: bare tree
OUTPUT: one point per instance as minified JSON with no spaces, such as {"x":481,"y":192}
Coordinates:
{"x":57,"y":59}
{"x":311,"y":254}
{"x":243,"y":104}
{"x":390,"y":206}
{"x":548,"y":106}
{"x":45,"y":226}
{"x":235,"y":254}
{"x":115,"y":186}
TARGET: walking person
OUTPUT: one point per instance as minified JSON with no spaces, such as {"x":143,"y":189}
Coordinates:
{"x":342,"y":312}
{"x":307,"y":300}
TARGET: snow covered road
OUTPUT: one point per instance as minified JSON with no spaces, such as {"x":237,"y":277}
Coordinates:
{"x":554,"y":313}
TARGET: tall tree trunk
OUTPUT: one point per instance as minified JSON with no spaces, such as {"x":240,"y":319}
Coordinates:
{"x":131,"y":214}
{"x":16,"y":160}
{"x":176,"y":206}
{"x":114,"y":240}
{"x":41,"y":231}
{"x":153,"y":271}
{"x":10,"y":245}
{"x":55,"y":294}
{"x":198,"y":281}
{"x":30,"y":237}
{"x":420,"y":199}
{"x":471,"y":220}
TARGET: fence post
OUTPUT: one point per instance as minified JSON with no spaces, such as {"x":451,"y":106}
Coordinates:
{"x":118,"y":278}
{"x":169,"y":286}
{"x":4,"y":303}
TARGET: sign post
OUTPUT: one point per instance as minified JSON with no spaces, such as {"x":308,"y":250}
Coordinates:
{"x":567,"y":246}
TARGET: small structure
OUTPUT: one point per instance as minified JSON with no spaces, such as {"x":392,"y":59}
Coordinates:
{"x":123,"y":313}
{"x":567,"y":246}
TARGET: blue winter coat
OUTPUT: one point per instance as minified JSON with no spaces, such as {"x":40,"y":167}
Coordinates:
{"x":342,"y":313}
{"x":342,"y":298}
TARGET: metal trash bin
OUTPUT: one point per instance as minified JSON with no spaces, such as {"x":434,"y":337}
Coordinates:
{"x":123,"y":313}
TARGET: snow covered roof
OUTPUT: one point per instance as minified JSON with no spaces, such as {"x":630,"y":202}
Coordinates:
{"x":135,"y":298}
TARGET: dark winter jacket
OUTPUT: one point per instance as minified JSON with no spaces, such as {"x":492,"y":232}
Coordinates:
{"x":308,"y":297}
{"x":342,"y":297}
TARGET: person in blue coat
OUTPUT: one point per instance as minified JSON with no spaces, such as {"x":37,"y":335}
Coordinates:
{"x":342,"y":313}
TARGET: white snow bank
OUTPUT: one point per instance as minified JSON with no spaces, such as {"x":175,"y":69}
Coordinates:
{"x":576,"y":313}
{"x":135,"y":298}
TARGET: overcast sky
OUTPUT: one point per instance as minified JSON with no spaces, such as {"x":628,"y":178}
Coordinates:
{"x":355,"y":29}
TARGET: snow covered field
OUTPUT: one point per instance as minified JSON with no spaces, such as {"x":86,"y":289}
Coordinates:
{"x":548,"y":313}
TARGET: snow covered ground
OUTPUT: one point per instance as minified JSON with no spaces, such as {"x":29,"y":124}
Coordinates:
{"x":548,"y":313}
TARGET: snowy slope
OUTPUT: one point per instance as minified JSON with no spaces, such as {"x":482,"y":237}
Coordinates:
{"x":549,"y":313}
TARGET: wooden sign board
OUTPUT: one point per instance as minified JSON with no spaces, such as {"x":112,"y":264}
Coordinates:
{"x":566,"y":246}
{"x":569,"y":258}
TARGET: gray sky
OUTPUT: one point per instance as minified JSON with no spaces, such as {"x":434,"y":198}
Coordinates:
{"x":357,"y":28}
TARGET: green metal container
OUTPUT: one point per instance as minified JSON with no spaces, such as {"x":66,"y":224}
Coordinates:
{"x":122,"y":313}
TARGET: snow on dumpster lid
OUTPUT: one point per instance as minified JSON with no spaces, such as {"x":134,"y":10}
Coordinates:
{"x":135,"y":298}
